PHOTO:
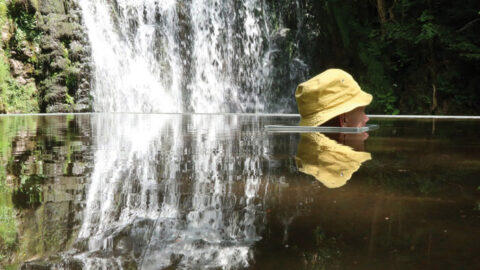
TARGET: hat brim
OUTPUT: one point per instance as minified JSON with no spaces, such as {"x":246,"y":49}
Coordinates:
{"x":320,"y":117}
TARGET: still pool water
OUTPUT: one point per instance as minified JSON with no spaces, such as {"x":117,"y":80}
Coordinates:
{"x":153,"y":191}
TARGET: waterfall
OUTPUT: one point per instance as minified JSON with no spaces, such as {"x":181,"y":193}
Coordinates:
{"x":170,"y":189}
{"x":177,"y":55}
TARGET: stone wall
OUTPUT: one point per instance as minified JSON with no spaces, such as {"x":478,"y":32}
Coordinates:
{"x":55,"y":55}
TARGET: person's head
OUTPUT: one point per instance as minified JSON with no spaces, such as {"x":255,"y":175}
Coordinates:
{"x":353,"y":118}
{"x":333,"y":97}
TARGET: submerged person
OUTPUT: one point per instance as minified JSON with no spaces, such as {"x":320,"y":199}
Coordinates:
{"x":332,"y":98}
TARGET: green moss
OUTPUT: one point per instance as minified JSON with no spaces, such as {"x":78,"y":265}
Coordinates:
{"x":25,"y":23}
{"x":69,"y":99}
{"x":15,"y":98}
{"x":3,"y":12}
{"x":12,"y":267}
{"x":72,"y":74}
{"x":64,"y":50}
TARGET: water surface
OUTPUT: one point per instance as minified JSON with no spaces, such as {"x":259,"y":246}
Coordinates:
{"x":153,"y":191}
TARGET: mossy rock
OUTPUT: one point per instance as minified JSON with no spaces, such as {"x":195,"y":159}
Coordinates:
{"x":59,"y":26}
{"x":2,"y":108}
{"x":82,"y":108}
{"x":73,"y":71}
{"x":48,"y":44}
{"x":72,"y":77}
{"x":20,"y":6}
{"x":34,"y":4}
{"x":59,"y":108}
{"x":26,"y":51}
{"x":59,"y":63}
{"x":65,"y":30}
{"x":56,"y":79}
{"x":76,"y":50}
{"x":53,"y":262}
{"x":51,"y":6}
{"x":6,"y":35}
{"x":49,"y":22}
{"x":50,"y":54}
{"x":55,"y":94}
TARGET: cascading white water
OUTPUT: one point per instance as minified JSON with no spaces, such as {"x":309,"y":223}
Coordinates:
{"x":172,"y":56}
{"x":210,"y":233}
{"x":125,"y":179}
{"x":161,"y":192}
{"x":176,"y":55}
{"x":125,"y":45}
{"x":227,"y":40}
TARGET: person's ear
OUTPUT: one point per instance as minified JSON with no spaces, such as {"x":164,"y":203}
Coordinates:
{"x":343,"y":120}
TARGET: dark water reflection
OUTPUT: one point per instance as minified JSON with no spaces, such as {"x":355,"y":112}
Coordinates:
{"x":117,"y":191}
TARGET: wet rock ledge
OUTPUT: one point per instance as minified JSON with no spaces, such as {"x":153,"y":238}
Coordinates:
{"x":47,"y":47}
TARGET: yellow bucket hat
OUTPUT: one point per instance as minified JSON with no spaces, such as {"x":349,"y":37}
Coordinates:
{"x":329,"y":162}
{"x":327,"y":95}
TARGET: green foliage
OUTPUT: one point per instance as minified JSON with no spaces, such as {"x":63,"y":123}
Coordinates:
{"x":376,"y":83}
{"x":15,"y":98}
{"x":69,"y":99}
{"x":3,"y":12}
{"x":25,"y":24}
{"x":341,"y":19}
{"x":71,"y":76}
{"x":65,"y":51}
{"x":421,"y":52}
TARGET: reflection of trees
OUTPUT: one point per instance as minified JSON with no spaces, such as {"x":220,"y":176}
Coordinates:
{"x":8,"y":232}
{"x":29,"y":193}
{"x":415,"y":199}
{"x":45,"y":165}
{"x":13,"y":131}
{"x":326,"y":252}
{"x":417,"y":158}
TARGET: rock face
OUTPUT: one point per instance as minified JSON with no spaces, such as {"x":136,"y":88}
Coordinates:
{"x":49,"y":47}
{"x":63,"y":61}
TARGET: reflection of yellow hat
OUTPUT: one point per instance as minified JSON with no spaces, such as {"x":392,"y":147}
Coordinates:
{"x":327,"y":95}
{"x":328,"y":161}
